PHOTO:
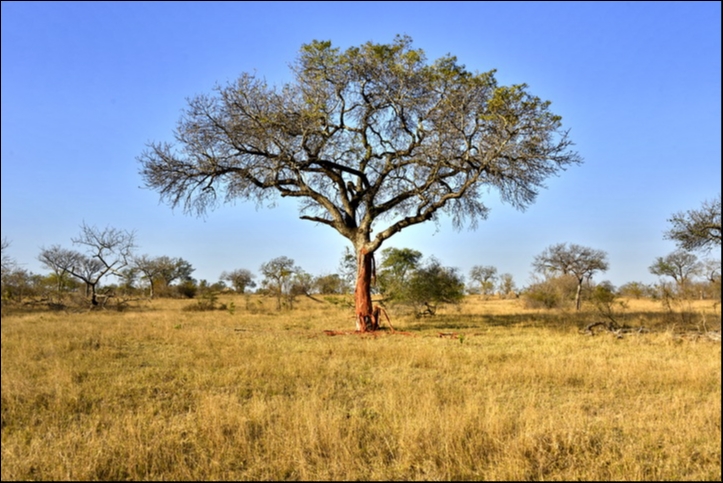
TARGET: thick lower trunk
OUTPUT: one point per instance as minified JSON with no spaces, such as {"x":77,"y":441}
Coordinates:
{"x":578,"y":295}
{"x":93,"y":296}
{"x":366,"y":319}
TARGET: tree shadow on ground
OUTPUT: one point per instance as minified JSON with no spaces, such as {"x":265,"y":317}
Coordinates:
{"x":565,"y":321}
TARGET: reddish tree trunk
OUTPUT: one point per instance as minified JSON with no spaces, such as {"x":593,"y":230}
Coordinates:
{"x":366,"y":319}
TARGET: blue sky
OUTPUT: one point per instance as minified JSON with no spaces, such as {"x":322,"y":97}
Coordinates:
{"x":86,"y":85}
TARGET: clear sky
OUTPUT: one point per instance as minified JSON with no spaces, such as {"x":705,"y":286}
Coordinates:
{"x":86,"y":85}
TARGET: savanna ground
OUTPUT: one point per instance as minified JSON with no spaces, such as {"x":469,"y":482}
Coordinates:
{"x":160,"y":393}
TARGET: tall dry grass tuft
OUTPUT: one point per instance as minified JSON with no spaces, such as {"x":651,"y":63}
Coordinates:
{"x":164,"y":393}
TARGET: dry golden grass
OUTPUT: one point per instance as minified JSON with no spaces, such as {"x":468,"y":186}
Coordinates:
{"x":159,"y":393}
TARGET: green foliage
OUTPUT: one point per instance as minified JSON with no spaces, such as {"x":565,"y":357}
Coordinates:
{"x":187,"y":289}
{"x":330,"y":284}
{"x":369,"y":135}
{"x":396,"y":267}
{"x":18,"y":284}
{"x":604,"y":297}
{"x":432,"y":285}
{"x":403,"y":280}
{"x":207,"y":301}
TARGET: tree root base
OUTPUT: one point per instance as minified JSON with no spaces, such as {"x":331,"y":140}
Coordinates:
{"x":371,"y":333}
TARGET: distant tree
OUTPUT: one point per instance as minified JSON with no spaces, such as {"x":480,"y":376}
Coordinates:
{"x":174,"y":269}
{"x":507,"y":284}
{"x":485,"y":277}
{"x":59,"y":260}
{"x":551,"y":291}
{"x":150,"y":270}
{"x":163,"y":271}
{"x":330,"y":284}
{"x":8,"y":265}
{"x":240,"y":279}
{"x":128,"y":279}
{"x":634,"y":290}
{"x":278,"y":277}
{"x":697,"y":229}
{"x":187,"y":288}
{"x":8,"y":262}
{"x":371,"y":135}
{"x":604,"y":297}
{"x":50,"y":284}
{"x":578,"y":261}
{"x":19,"y":283}
{"x":679,"y":265}
{"x":107,"y":251}
{"x":348,"y":268}
{"x":302,"y":283}
{"x":712,"y":271}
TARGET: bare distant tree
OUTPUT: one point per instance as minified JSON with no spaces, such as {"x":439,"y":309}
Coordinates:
{"x":348,"y":268}
{"x":108,"y":251}
{"x":370,"y":141}
{"x":8,"y":265}
{"x":8,"y":262}
{"x":697,"y":229}
{"x":582,"y":262}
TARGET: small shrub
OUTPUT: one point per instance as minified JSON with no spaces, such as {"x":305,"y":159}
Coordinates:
{"x":207,"y":302}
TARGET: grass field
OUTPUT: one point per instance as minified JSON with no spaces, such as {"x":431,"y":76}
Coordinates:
{"x":507,"y":393}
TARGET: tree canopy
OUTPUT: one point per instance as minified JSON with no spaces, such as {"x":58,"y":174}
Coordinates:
{"x":576,"y":260}
{"x":369,"y":140}
{"x":678,"y":265}
{"x":370,"y":133}
{"x":697,"y":229}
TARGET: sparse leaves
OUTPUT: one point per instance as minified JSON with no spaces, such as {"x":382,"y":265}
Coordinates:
{"x":574,"y":260}
{"x":697,"y":229}
{"x":370,"y":141}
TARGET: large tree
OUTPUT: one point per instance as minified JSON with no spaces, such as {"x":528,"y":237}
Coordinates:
{"x":697,"y":229}
{"x":370,"y":141}
{"x":576,"y":260}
